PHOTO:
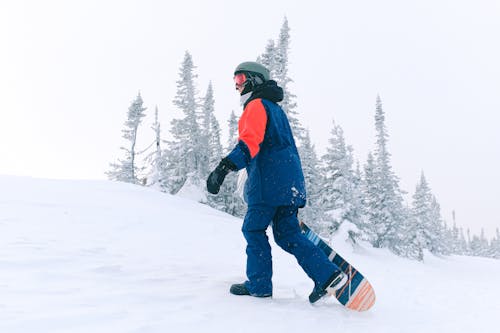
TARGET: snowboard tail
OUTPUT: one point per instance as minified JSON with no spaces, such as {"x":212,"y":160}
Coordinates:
{"x":357,"y":293}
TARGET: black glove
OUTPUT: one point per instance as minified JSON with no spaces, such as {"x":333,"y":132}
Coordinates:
{"x":216,"y":177}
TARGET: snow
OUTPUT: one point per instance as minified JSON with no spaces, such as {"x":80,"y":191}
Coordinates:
{"x":98,"y":256}
{"x":191,"y":190}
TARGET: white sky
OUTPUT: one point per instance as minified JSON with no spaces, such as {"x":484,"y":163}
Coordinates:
{"x":69,"y":70}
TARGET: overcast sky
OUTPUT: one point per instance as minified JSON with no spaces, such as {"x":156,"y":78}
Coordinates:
{"x":70,"y":69}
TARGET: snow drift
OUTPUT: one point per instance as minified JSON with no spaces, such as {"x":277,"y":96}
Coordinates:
{"x":97,"y":256}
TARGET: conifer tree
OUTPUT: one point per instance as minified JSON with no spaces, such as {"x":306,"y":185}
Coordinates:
{"x":232,"y":138}
{"x":275,"y":58}
{"x":232,"y":202}
{"x":463,"y":245}
{"x":458,"y":244}
{"x":468,"y":241}
{"x":157,"y":178}
{"x":289,"y":104}
{"x":427,"y":218}
{"x":421,"y":212}
{"x":370,"y":197}
{"x":268,"y":58}
{"x":440,"y":245}
{"x":126,"y":169}
{"x":387,"y":215}
{"x":411,"y":244}
{"x":495,"y":245}
{"x":358,"y":200}
{"x":479,"y":245}
{"x":312,"y":213}
{"x":448,"y":239}
{"x":454,"y":237}
{"x":485,"y":245}
{"x":338,"y":194}
{"x":211,"y":148}
{"x":211,"y":133}
{"x":185,"y":153}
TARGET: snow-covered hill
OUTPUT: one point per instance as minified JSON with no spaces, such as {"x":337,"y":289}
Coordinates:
{"x":96,"y":256}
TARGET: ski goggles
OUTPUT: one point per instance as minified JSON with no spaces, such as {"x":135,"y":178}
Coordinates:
{"x":239,"y":80}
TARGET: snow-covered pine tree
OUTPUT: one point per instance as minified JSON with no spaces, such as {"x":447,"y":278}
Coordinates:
{"x":276,"y":58}
{"x":441,"y":245}
{"x":126,"y":169}
{"x":410,"y":245}
{"x":358,"y":201}
{"x":185,"y":153}
{"x":268,"y":58}
{"x":338,"y":194}
{"x":475,"y":246}
{"x":463,"y":245}
{"x":211,"y":141}
{"x":312,"y":213}
{"x":458,"y":244}
{"x":387,"y":214}
{"x":370,"y":198}
{"x":232,"y":138}
{"x":448,"y":239}
{"x":495,"y":245}
{"x":485,"y":244}
{"x":421,"y":212}
{"x":232,"y":203}
{"x":211,"y":133}
{"x":157,"y":178}
{"x":427,"y":217}
{"x":468,"y":241}
{"x":206,"y":113}
{"x":289,"y":104}
{"x":479,"y":245}
{"x":454,"y":236}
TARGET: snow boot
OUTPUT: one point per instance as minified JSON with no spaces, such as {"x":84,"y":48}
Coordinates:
{"x":240,"y":289}
{"x":335,"y":282}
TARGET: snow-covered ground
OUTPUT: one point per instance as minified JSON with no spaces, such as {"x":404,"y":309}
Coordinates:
{"x":96,"y":256}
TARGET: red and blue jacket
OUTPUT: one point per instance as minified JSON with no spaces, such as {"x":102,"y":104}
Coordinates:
{"x":266,"y":148}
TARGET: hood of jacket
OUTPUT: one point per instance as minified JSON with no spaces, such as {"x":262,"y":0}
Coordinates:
{"x":268,"y":90}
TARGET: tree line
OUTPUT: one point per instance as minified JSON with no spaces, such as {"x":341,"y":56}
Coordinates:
{"x":368,"y":199}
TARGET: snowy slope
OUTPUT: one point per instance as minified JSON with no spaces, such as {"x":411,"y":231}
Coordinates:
{"x":95,"y":256}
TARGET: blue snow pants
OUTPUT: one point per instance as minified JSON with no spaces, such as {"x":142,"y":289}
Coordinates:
{"x":288,"y":236}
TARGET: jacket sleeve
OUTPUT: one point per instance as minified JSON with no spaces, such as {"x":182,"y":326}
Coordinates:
{"x":251,"y":128}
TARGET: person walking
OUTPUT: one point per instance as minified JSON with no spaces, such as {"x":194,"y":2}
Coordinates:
{"x":274,"y":190}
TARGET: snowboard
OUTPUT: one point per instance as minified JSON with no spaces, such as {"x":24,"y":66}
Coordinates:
{"x":357,"y":293}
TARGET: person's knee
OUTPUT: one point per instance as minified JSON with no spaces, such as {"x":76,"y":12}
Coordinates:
{"x":255,"y":236}
{"x":257,"y":220}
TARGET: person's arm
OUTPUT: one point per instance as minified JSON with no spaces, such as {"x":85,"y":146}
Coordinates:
{"x":251,"y":128}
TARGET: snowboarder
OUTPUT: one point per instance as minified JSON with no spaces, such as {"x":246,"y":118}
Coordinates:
{"x":274,"y":189}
